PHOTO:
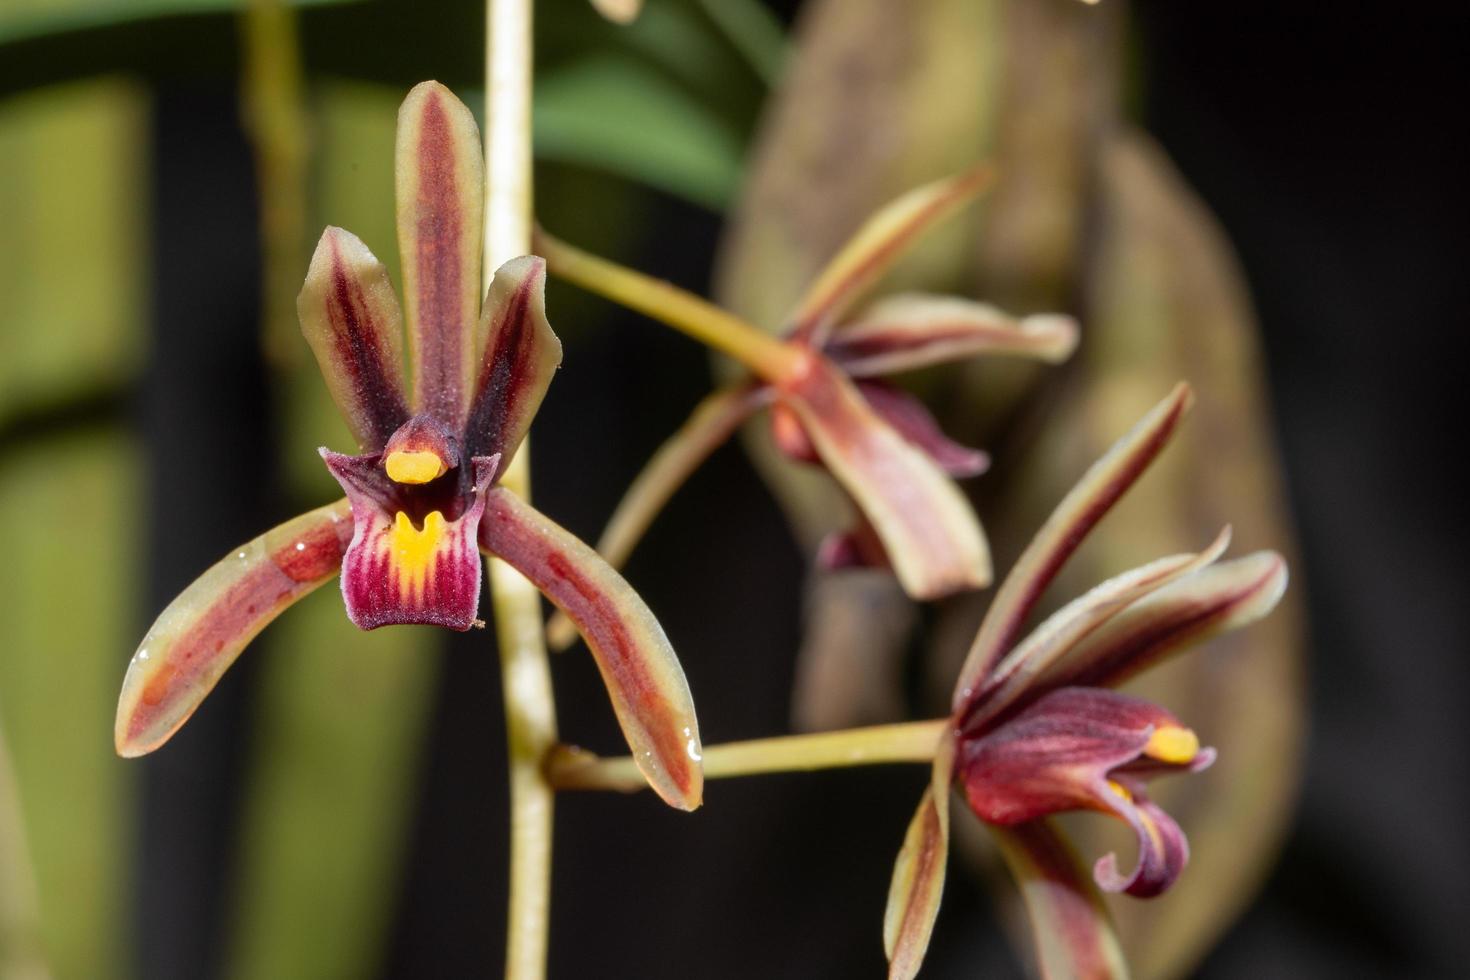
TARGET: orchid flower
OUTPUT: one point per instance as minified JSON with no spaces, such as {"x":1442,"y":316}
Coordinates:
{"x":421,"y":499}
{"x":1035,"y":728}
{"x":829,"y":406}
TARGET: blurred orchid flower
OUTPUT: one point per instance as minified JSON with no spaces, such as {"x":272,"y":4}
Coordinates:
{"x":1034,"y":729}
{"x":421,"y":494}
{"x":829,"y":406}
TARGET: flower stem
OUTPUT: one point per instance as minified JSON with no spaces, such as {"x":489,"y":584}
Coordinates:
{"x":771,"y":359}
{"x":915,"y":741}
{"x":530,"y":709}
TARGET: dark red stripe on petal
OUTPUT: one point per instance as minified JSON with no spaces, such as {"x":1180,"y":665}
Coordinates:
{"x":643,"y":677}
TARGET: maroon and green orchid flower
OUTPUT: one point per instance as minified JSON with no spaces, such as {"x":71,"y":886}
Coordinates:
{"x":829,"y":405}
{"x":421,"y":500}
{"x":1035,"y":728}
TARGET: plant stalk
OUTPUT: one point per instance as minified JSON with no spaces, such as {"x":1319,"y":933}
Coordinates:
{"x":530,"y":709}
{"x":915,"y":741}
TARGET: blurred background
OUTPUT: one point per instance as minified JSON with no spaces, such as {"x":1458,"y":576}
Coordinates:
{"x":337,"y":808}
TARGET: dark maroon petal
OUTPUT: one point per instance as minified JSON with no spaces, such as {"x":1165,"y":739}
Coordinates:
{"x":350,"y":318}
{"x":407,"y":568}
{"x":1093,"y":496}
{"x":644,"y":680}
{"x":917,"y":886}
{"x":520,"y":356}
{"x":1163,"y":850}
{"x":881,"y":241}
{"x":912,"y":420}
{"x":931,"y":535}
{"x":1070,"y":927}
{"x":440,"y":187}
{"x":908,"y":331}
{"x":196,"y":639}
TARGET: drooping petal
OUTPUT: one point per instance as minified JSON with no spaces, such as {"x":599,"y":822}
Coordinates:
{"x":1189,"y":610}
{"x":881,"y":240}
{"x":409,"y":568}
{"x":917,"y":886}
{"x":1163,"y":850}
{"x":1051,"y":641}
{"x":1071,"y":930}
{"x":439,"y":183}
{"x":714,"y":420}
{"x":912,"y":420}
{"x":350,"y":317}
{"x":932,"y":537}
{"x":520,"y":356}
{"x":913,"y":330}
{"x":1093,"y":496}
{"x":194,"y":641}
{"x":642,"y":674}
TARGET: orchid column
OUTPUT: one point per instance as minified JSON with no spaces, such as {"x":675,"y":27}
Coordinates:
{"x":530,"y":711}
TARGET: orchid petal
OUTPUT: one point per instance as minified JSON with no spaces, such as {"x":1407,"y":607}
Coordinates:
{"x":932,"y":537}
{"x":1086,"y":504}
{"x":913,"y":330}
{"x":1065,"y":628}
{"x":440,"y":181}
{"x":409,"y":564}
{"x":1163,"y":850}
{"x":521,"y":355}
{"x":649,"y":693}
{"x":882,"y":239}
{"x":917,"y":887}
{"x":912,"y":420}
{"x":1189,"y":610}
{"x":195,"y":640}
{"x":714,"y":420}
{"x":1071,"y":930}
{"x":350,"y":317}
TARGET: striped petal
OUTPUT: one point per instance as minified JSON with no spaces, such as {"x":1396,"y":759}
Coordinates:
{"x":714,"y":420}
{"x":912,"y":420}
{"x":649,"y":693}
{"x":520,"y":356}
{"x":1086,"y":504}
{"x":409,"y":564}
{"x":194,"y":641}
{"x":917,"y":887}
{"x":440,"y":181}
{"x":1071,"y":930}
{"x":1190,"y":610}
{"x":1064,"y":629}
{"x":914,"y":330}
{"x":881,"y":240}
{"x":350,"y":318}
{"x":932,"y":537}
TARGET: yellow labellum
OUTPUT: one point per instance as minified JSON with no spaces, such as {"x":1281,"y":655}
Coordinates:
{"x":413,"y":550}
{"x":414,"y":467}
{"x":1170,"y":744}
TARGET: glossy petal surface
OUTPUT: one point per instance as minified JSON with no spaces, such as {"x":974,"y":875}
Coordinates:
{"x":195,"y":640}
{"x":917,"y":887}
{"x":350,"y":317}
{"x":1070,"y":926}
{"x":881,"y":240}
{"x":932,"y":537}
{"x":440,"y":181}
{"x":914,"y":330}
{"x":1080,"y":510}
{"x":407,"y":567}
{"x":642,"y":674}
{"x":520,"y":356}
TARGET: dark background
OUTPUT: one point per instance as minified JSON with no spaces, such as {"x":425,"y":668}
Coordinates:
{"x":1331,"y":144}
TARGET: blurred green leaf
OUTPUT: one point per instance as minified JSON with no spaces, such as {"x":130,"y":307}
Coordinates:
{"x":24,"y":19}
{"x":611,"y":113}
{"x":69,"y":587}
{"x":753,"y":31}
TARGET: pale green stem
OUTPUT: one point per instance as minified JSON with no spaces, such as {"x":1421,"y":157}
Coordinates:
{"x":772,"y":359}
{"x":913,"y":741}
{"x":530,"y":710}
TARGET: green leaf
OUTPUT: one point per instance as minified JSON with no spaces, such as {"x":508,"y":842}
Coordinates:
{"x":611,"y":113}
{"x":25,"y":19}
